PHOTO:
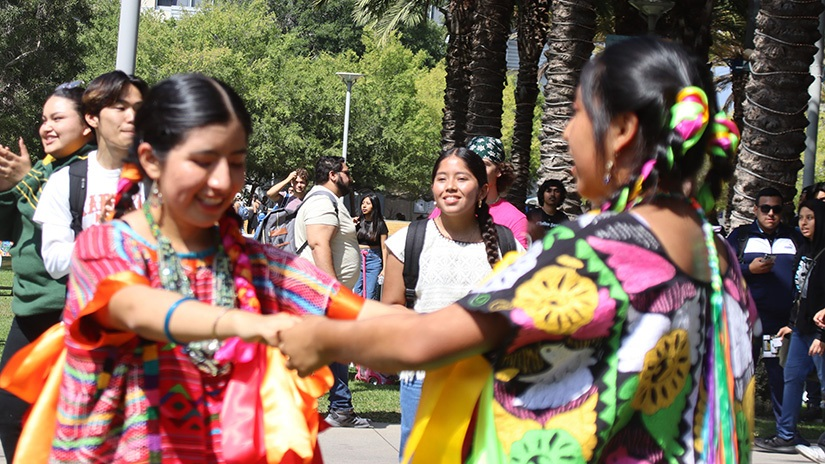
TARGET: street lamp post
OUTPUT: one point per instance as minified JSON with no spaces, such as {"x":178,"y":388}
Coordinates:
{"x":653,"y":10}
{"x":349,"y":79}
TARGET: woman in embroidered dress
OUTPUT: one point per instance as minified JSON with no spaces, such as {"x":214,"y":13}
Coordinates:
{"x":37,"y":297}
{"x":623,"y":336}
{"x":166,"y":304}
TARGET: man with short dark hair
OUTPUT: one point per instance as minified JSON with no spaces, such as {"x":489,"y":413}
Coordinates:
{"x":550,"y":196}
{"x":766,"y":249}
{"x":332,"y":245}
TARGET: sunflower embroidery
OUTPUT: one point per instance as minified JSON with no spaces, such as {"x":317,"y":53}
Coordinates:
{"x":558,"y":299}
{"x":664,"y":373}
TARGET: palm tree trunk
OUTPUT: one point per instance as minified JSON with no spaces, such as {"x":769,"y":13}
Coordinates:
{"x":533,"y":21}
{"x":689,"y":23}
{"x":457,"y":92}
{"x":570,"y":42}
{"x":776,"y":100}
{"x":491,"y":29}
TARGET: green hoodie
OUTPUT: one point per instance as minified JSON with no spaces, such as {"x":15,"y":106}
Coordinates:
{"x":35,"y":291}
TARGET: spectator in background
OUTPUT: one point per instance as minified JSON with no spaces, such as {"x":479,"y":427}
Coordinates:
{"x":109,"y":105}
{"x":819,"y":191}
{"x":297,"y":181}
{"x":550,"y":196}
{"x":500,"y":176}
{"x":325,"y":235}
{"x":38,"y":298}
{"x":372,"y":233}
{"x":766,"y":251}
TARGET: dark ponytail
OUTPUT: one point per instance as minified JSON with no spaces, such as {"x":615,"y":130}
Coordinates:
{"x":489,"y":234}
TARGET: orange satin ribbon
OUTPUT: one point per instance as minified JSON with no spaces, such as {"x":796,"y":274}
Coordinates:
{"x":344,"y":305}
{"x":34,"y":374}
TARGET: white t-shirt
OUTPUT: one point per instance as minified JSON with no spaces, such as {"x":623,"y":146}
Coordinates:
{"x":318,"y":210}
{"x":54,"y":214}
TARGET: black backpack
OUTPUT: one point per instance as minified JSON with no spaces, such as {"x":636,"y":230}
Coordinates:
{"x":415,"y":242}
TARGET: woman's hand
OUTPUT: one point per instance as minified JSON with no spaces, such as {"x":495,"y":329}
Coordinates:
{"x":784,"y":331}
{"x":303,"y":349}
{"x":819,"y":318}
{"x":252,"y":327}
{"x":816,"y":349}
{"x":13,"y":167}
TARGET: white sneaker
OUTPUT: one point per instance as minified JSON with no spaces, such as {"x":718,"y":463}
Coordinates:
{"x":813,"y":452}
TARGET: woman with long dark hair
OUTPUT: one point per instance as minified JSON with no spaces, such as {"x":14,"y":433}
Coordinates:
{"x":624,"y":336}
{"x":372,"y":233}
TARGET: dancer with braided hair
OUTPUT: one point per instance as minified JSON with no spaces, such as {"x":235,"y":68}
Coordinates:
{"x":166,"y":306}
{"x":458,"y":249}
{"x":621,"y":337}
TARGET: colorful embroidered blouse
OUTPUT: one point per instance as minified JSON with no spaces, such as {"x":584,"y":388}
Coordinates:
{"x":140,"y":400}
{"x":609,"y":357}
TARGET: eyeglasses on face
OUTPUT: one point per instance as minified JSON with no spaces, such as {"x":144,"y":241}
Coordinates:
{"x":777,"y":209}
{"x":344,"y":172}
{"x":70,"y":85}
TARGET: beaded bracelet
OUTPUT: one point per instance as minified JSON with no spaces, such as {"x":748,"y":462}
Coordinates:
{"x":169,"y":313}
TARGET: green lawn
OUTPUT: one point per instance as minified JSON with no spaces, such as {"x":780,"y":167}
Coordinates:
{"x":378,"y":403}
{"x":5,"y":305}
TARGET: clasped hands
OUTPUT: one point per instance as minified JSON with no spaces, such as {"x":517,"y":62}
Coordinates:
{"x":295,"y":337}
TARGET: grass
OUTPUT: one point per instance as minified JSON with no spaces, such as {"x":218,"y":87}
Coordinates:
{"x":5,"y":304}
{"x":378,"y":403}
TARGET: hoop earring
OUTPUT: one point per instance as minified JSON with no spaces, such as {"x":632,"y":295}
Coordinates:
{"x":156,"y":198}
{"x":607,"y":167}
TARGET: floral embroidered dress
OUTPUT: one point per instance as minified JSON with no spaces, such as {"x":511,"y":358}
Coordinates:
{"x":127,"y":399}
{"x":610,"y":356}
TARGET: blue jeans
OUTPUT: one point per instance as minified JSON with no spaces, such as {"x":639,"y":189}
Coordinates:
{"x":371,"y":265}
{"x":797,"y":368}
{"x":410,"y":396}
{"x":340,"y":397}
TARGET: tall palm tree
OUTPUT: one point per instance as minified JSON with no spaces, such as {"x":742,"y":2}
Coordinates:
{"x":491,"y":28}
{"x":570,"y":44}
{"x":776,"y":101}
{"x":533,"y":21}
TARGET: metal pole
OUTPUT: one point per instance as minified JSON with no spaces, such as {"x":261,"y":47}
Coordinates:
{"x":346,"y":121}
{"x":127,"y":35}
{"x":809,"y":171}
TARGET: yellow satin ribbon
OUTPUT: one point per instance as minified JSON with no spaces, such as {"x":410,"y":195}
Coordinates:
{"x":448,"y":400}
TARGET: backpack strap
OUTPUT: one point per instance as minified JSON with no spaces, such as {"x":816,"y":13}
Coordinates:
{"x":412,"y":255}
{"x":506,"y":240}
{"x":742,"y":242}
{"x":334,"y":201}
{"x":77,"y":192}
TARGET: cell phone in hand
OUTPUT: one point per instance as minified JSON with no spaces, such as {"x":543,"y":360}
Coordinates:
{"x":769,"y":257}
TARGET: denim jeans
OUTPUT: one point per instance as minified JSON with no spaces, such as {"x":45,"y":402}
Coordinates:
{"x":371,"y":265}
{"x":797,"y":368}
{"x":410,"y":396}
{"x":340,"y":397}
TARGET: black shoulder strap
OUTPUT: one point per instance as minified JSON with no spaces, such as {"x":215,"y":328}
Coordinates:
{"x":412,"y":254}
{"x":742,"y":242}
{"x":77,"y":192}
{"x":506,"y":240}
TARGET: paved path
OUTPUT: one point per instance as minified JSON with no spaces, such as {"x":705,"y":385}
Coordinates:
{"x":379,"y":445}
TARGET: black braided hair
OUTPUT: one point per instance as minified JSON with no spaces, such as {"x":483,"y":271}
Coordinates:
{"x":489,"y":234}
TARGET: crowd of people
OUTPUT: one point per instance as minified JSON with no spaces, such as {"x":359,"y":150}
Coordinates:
{"x":158,"y":319}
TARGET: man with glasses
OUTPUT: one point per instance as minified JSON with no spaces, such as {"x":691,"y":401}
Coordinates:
{"x":766,"y":250}
{"x":326,"y":227}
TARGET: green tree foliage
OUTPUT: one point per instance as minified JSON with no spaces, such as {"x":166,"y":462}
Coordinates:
{"x":319,"y":26}
{"x":296,"y":100}
{"x":38,"y":51}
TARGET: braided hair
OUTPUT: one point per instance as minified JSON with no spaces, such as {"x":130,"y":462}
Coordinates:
{"x":649,"y":78}
{"x":170,"y":111}
{"x":486,"y":226}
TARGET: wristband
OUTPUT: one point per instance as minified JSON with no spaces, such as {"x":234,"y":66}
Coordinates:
{"x":168,"y":318}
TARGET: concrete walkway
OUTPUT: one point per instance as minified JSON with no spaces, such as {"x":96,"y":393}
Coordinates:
{"x":379,"y":445}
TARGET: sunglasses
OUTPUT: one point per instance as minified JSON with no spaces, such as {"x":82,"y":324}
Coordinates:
{"x":777,"y":209}
{"x":70,"y":85}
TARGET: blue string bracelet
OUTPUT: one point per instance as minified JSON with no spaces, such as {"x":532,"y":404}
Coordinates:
{"x":168,"y":318}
